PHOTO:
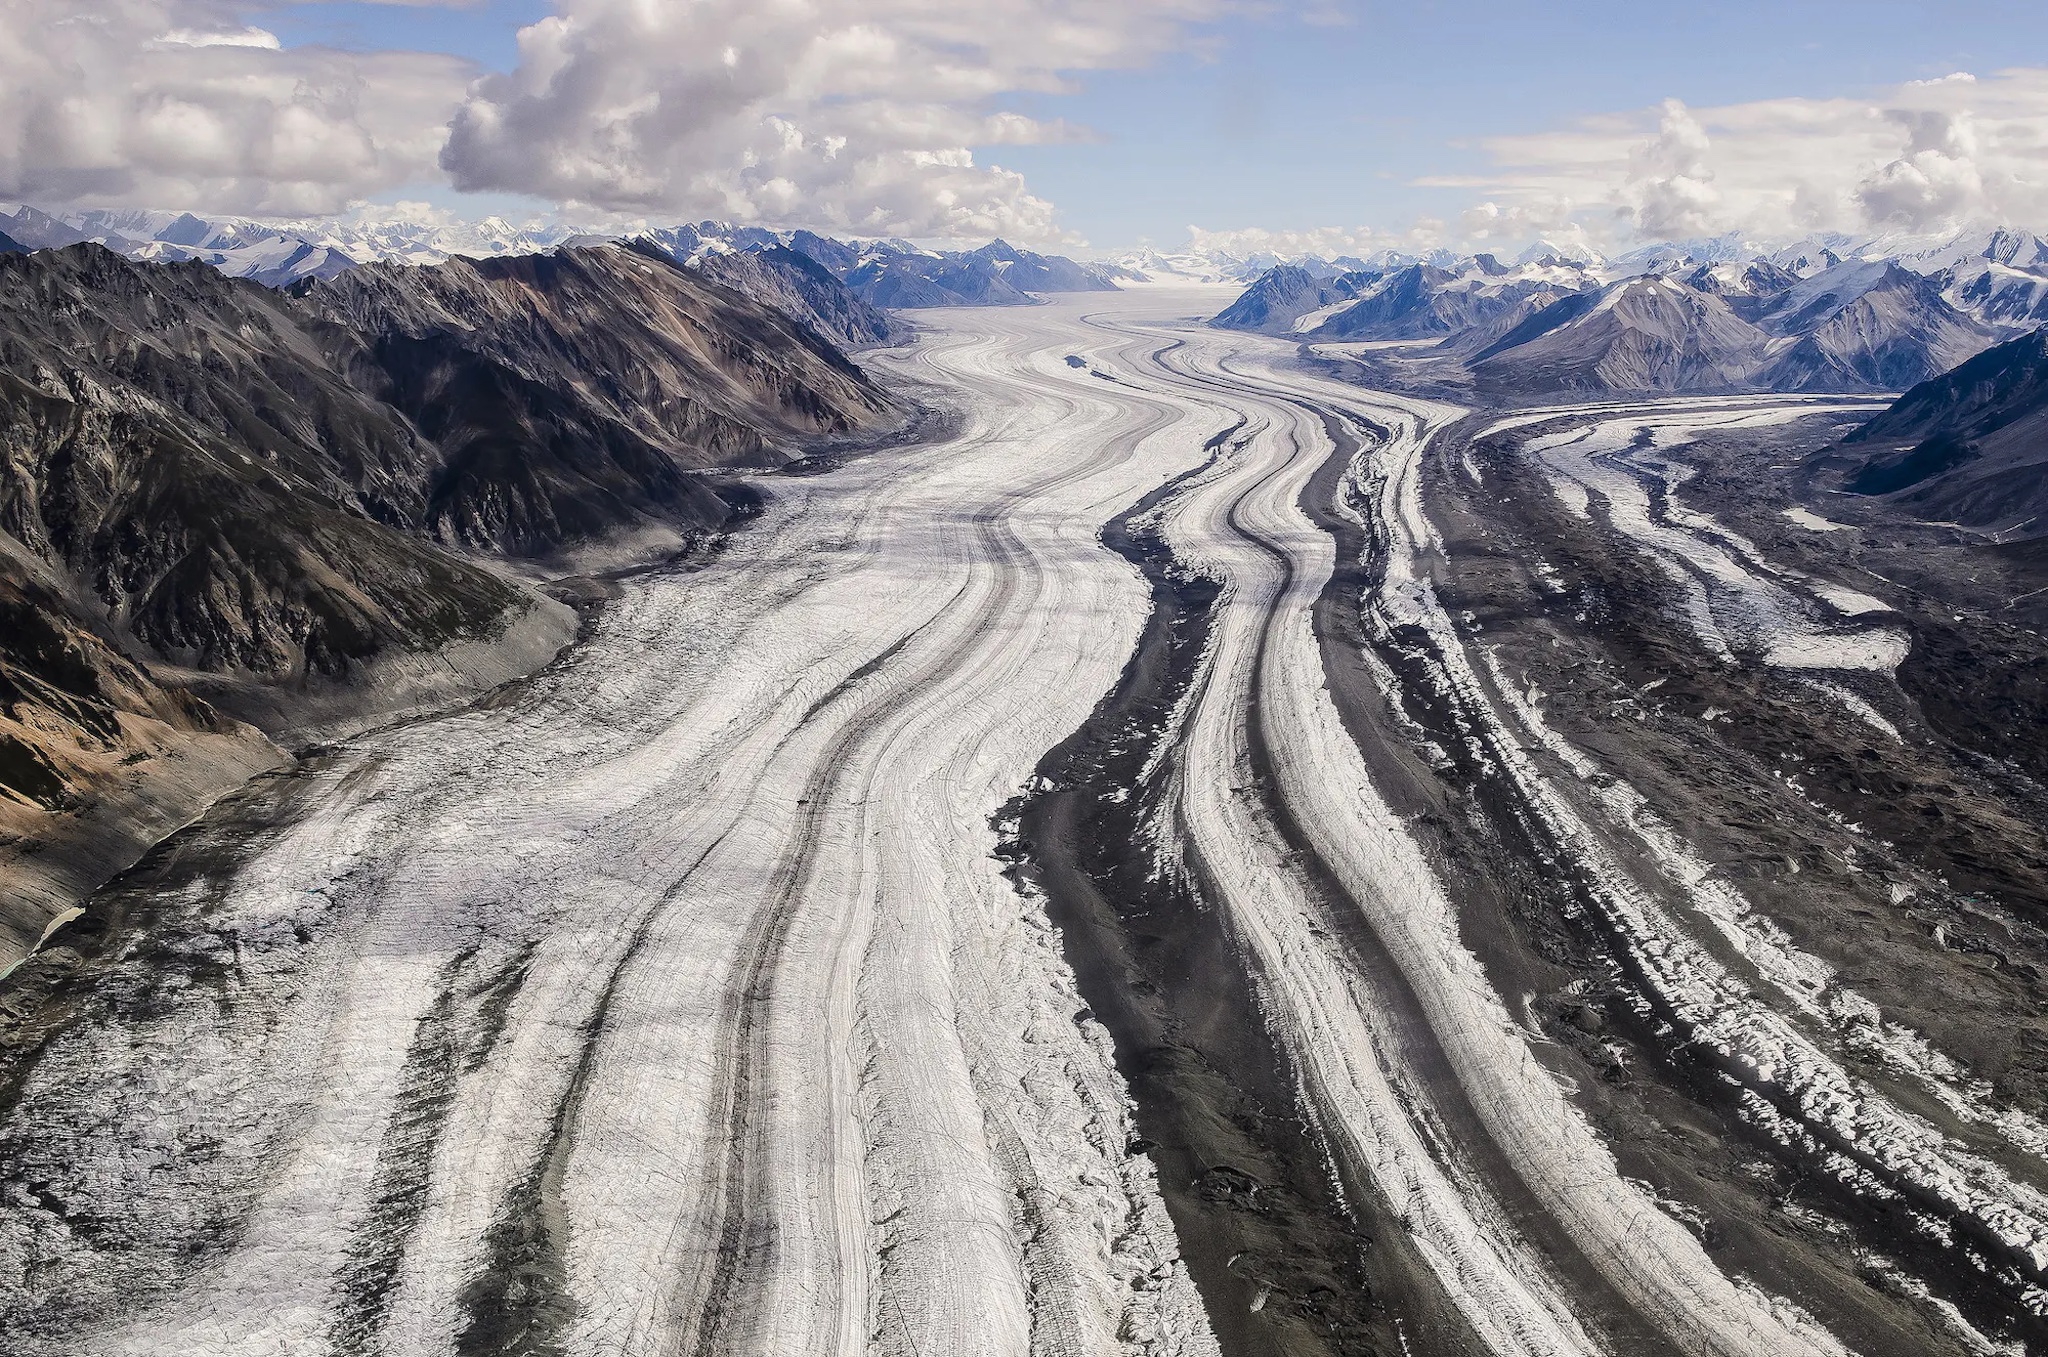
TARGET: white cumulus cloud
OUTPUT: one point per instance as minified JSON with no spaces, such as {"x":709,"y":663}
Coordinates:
{"x":868,"y":116}
{"x":182,"y":104}
{"x":1671,"y":178}
{"x":855,"y":115}
{"x":1922,"y":156}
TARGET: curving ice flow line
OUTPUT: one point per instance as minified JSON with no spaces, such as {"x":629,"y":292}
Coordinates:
{"x":1736,"y":601}
{"x":1804,"y":983}
{"x":1798,"y":1088}
{"x":676,"y":1002}
{"x":1336,"y":1026}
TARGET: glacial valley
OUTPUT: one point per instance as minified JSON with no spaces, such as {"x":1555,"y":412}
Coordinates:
{"x":1200,"y":851}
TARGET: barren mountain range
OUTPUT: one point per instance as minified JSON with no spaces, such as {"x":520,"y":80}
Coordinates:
{"x":1969,"y":446}
{"x":1789,"y":320}
{"x":891,"y":273}
{"x":306,"y":505}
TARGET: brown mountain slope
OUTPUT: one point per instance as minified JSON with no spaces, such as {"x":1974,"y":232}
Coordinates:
{"x":97,"y":758}
{"x":1968,"y":447}
{"x":289,"y":502}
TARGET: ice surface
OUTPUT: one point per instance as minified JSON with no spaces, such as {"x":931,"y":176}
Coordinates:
{"x":1806,"y":518}
{"x":691,"y":964}
{"x":1241,"y":524}
{"x":1738,"y":603}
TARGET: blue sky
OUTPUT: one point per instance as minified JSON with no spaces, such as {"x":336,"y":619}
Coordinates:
{"x":485,"y":33}
{"x":1291,"y":125}
{"x":1295,"y":126}
{"x":1283,"y":116}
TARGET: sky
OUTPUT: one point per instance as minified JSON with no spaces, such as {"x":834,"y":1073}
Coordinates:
{"x":1093,"y":125}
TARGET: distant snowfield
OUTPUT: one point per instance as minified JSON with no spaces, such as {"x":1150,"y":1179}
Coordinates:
{"x":679,"y":1002}
{"x":1806,"y":518}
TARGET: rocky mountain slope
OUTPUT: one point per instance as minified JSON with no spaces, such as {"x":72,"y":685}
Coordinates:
{"x":287,"y":502}
{"x":800,"y":287}
{"x":569,"y":395}
{"x":1969,"y":447}
{"x":38,"y":230}
{"x":2003,"y":284}
{"x":1424,"y":301}
{"x":1750,"y":287}
{"x":1467,"y":301}
{"x":188,"y":453}
{"x":894,"y":273}
{"x":1643,"y":334}
{"x":276,"y":253}
{"x":997,"y":274}
{"x":271,"y":255}
{"x":1664,"y":322}
{"x":1277,"y":300}
{"x":76,"y":717}
{"x":1867,"y":324}
{"x":1032,"y":272}
{"x":1852,"y":327}
{"x":1997,"y":277}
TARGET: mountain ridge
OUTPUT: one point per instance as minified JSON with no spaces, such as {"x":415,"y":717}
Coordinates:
{"x":1968,"y":447}
{"x":231,"y":514}
{"x":1677,"y":323}
{"x":281,"y":253}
